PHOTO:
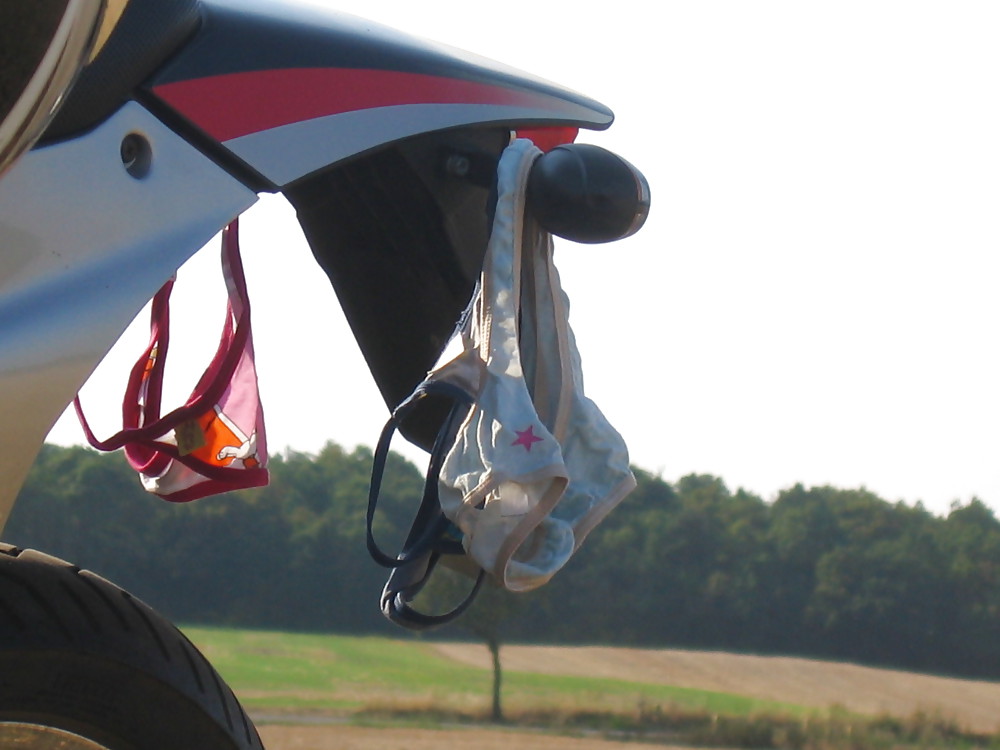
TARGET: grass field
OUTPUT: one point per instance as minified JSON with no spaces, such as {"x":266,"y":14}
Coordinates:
{"x":703,"y":698}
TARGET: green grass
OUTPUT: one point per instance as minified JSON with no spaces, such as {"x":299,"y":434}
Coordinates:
{"x":586,"y":691}
{"x":292,"y":671}
{"x":289,"y":672}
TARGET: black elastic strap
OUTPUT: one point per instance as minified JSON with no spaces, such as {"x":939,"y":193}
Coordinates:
{"x":406,"y":581}
{"x":430,"y":534}
{"x":430,"y":524}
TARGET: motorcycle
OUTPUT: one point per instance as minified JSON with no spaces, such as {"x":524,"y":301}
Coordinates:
{"x":133,"y":132}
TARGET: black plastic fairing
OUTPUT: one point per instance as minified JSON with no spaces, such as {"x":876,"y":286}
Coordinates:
{"x":147,"y":34}
{"x":402,"y":239}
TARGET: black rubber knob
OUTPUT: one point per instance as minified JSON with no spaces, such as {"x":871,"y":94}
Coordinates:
{"x":587,"y":194}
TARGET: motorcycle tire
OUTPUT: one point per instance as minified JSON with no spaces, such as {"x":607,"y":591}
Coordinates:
{"x":85,"y":665}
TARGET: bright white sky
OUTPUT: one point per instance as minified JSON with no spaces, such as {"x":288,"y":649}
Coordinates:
{"x":814,"y":297}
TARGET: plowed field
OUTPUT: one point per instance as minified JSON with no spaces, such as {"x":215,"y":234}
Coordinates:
{"x":973,"y":704}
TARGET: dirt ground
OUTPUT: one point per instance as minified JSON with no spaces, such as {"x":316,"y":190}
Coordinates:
{"x":974,"y":705}
{"x":345,"y":737}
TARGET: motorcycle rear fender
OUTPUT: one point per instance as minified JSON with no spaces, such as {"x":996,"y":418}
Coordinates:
{"x":291,"y":90}
{"x":355,"y":122}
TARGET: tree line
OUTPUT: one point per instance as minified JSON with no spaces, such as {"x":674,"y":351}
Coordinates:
{"x":820,"y":571}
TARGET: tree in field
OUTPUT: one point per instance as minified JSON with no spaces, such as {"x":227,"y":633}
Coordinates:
{"x":487,"y":619}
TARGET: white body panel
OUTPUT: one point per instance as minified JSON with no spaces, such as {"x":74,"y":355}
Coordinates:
{"x":83,"y":246}
{"x":289,"y":152}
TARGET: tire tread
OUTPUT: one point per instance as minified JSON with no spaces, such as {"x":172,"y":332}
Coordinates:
{"x":56,"y":605}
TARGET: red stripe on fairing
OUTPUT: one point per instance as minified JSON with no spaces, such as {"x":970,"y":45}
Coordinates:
{"x":236,"y":104}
